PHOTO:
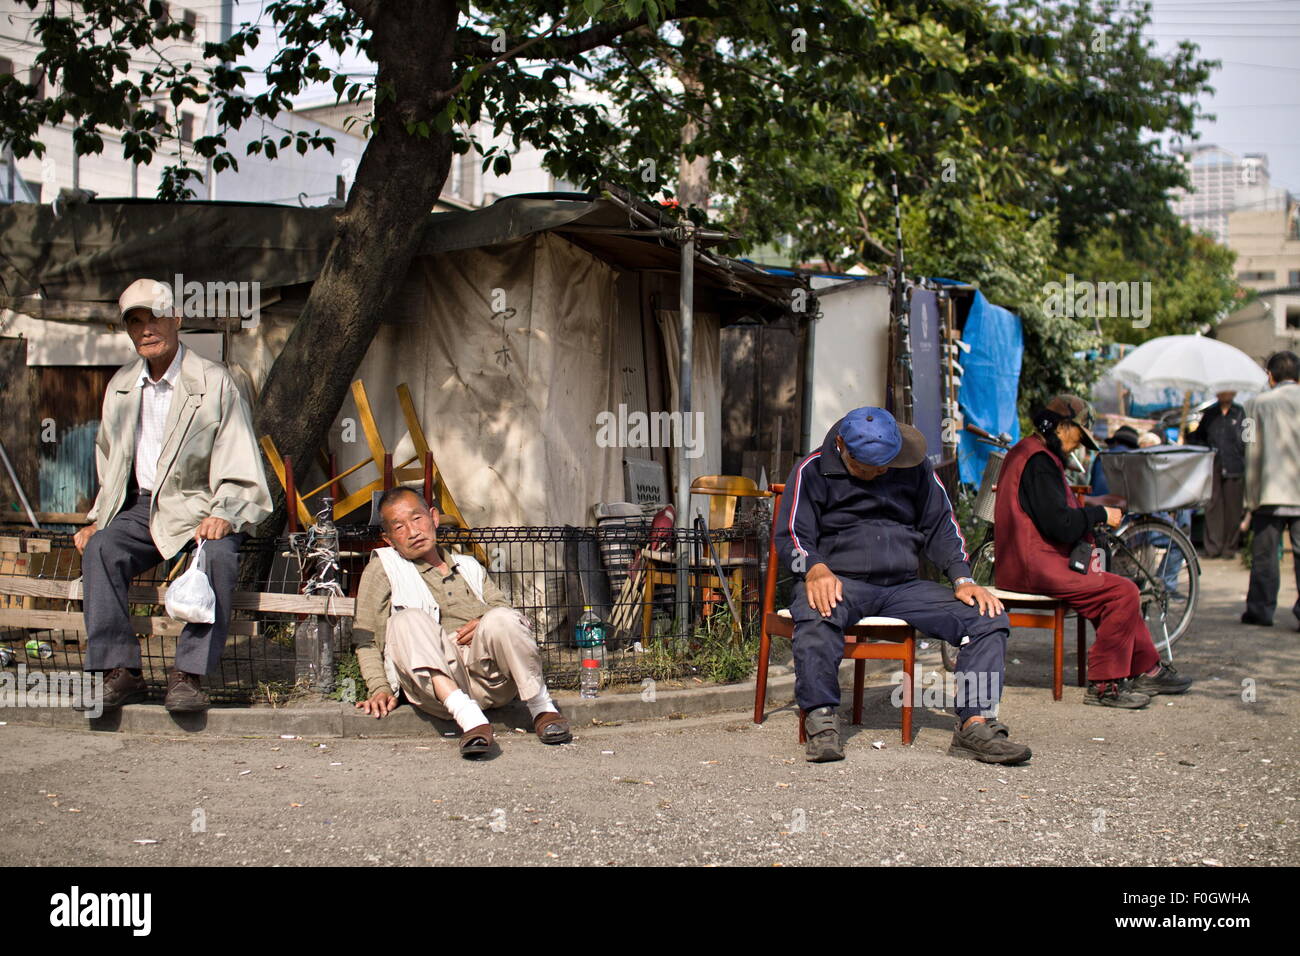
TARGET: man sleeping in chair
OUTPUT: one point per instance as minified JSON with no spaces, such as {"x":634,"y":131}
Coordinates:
{"x":436,"y":629}
{"x":854,"y":519}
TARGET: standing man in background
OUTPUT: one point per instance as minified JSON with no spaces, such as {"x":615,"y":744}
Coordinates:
{"x":1220,"y":429}
{"x":1273,"y":485}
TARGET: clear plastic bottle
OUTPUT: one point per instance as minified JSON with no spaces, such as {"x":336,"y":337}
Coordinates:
{"x":590,"y":631}
{"x":589,"y":679}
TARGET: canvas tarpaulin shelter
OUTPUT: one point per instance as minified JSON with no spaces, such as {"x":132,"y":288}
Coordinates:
{"x":504,"y":328}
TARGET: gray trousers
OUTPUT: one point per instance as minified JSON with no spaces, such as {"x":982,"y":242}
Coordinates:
{"x":1223,"y":517}
{"x":116,"y":554}
{"x":1265,"y":575}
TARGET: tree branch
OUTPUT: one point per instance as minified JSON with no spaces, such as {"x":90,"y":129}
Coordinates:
{"x":596,"y":35}
{"x":365,"y":9}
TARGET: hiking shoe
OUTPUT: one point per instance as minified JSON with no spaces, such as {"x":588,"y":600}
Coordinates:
{"x":1166,"y":681}
{"x":184,"y":695}
{"x":988,"y":741}
{"x":1248,"y":618}
{"x":1114,"y":693}
{"x":823,"y":729}
{"x":120,"y":687}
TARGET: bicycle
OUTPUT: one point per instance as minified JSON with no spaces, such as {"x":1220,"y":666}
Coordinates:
{"x":1149,"y":550}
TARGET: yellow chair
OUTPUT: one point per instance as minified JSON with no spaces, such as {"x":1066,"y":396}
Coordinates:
{"x":725,"y":492}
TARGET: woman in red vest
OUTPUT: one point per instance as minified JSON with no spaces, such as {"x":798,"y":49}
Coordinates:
{"x":1037,"y":528}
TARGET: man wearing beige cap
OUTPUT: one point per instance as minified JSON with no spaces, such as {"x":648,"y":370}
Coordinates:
{"x":177,"y":465}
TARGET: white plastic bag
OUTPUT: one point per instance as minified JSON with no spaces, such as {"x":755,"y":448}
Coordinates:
{"x":190,"y":596}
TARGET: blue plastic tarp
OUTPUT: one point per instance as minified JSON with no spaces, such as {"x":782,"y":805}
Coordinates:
{"x":991,"y":382}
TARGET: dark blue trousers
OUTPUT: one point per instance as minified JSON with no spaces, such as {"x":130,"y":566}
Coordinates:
{"x":928,"y":606}
{"x":116,"y":554}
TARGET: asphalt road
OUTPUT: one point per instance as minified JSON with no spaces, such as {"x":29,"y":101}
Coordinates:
{"x":1206,"y":779}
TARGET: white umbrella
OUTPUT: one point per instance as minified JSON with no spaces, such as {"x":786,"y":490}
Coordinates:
{"x":1190,"y":363}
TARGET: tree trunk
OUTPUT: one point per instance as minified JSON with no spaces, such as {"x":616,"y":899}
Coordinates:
{"x":693,"y":179}
{"x":397,"y":182}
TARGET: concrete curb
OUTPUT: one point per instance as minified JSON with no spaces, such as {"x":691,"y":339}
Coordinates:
{"x":343,"y":720}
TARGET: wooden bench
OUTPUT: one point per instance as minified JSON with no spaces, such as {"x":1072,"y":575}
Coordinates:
{"x":15,"y":586}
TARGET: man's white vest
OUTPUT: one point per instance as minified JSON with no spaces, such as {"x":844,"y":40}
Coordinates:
{"x":410,"y":591}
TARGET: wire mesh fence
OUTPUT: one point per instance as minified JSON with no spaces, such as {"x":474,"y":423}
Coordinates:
{"x":658,"y":591}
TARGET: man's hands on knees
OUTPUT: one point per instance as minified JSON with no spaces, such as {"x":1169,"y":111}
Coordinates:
{"x":212,"y":529}
{"x":972,"y":594}
{"x":380,"y":704}
{"x":82,"y":537}
{"x":824,"y":590}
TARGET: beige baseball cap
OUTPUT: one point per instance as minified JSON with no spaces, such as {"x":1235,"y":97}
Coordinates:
{"x":146,"y":294}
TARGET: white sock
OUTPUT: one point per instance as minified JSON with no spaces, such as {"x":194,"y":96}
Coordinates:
{"x":541,"y":703}
{"x":464,"y":711}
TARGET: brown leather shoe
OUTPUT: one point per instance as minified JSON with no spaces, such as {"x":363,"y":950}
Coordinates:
{"x":477,"y":742}
{"x":122,"y":687}
{"x":184,"y":695}
{"x":553,"y":728}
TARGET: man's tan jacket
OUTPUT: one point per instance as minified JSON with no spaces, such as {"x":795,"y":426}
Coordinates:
{"x":210,"y":464}
{"x":1273,"y":451}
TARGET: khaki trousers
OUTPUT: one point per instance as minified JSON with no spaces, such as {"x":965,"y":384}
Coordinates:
{"x":501,"y":661}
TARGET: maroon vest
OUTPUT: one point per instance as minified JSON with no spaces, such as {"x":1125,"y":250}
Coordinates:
{"x":1026,"y":561}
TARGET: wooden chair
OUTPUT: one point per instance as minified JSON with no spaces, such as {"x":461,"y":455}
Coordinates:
{"x":871,"y":638}
{"x":1041,"y":611}
{"x":725,"y":492}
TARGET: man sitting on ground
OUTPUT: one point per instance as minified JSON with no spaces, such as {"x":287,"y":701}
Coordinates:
{"x":437,"y":630}
{"x":853,"y":519}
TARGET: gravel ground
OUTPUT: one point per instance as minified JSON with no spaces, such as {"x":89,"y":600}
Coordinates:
{"x":1206,"y":779}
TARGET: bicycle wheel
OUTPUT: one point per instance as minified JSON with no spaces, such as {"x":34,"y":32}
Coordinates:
{"x":981,"y":569}
{"x":1158,"y":558}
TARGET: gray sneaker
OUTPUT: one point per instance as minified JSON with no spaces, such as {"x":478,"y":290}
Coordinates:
{"x":988,"y":741}
{"x":1114,"y":693}
{"x":1166,"y":681}
{"x":823,"y":729}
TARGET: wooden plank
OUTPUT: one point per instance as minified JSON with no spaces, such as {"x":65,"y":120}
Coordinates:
{"x":19,"y":428}
{"x":369,"y":427}
{"x":73,"y":621}
{"x":106,"y":313}
{"x":145,"y":594}
{"x":413,"y":423}
{"x":38,"y":546}
{"x":62,"y":517}
{"x":11,"y":545}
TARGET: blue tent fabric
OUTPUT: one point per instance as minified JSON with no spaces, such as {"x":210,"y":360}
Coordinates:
{"x":991,"y":382}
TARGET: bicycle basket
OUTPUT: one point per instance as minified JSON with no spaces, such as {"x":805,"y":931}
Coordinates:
{"x":1163,"y":478}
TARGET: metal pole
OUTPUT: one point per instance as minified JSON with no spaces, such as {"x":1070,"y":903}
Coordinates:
{"x":18,"y":488}
{"x":685,"y":373}
{"x":805,"y":406}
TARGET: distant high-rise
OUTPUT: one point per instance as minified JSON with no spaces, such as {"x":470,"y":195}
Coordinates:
{"x":1223,"y":183}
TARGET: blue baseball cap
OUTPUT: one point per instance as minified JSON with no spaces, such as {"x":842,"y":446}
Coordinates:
{"x":874,"y":437}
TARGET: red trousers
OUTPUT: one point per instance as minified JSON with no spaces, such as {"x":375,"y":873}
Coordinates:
{"x":1123,"y":647}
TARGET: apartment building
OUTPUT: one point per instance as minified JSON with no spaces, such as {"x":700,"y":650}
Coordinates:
{"x":1223,"y":183}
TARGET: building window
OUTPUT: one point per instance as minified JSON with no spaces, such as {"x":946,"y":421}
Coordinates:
{"x":187,"y":127}
{"x":37,"y":79}
{"x":6,"y":66}
{"x":1293,"y":317}
{"x":1293,"y":277}
{"x":190,"y":18}
{"x":1256,"y":276}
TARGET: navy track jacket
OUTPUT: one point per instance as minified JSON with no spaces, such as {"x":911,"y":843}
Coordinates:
{"x":873,"y":530}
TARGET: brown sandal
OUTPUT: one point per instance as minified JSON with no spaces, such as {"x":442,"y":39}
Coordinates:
{"x":476,"y":742}
{"x":553,"y":728}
